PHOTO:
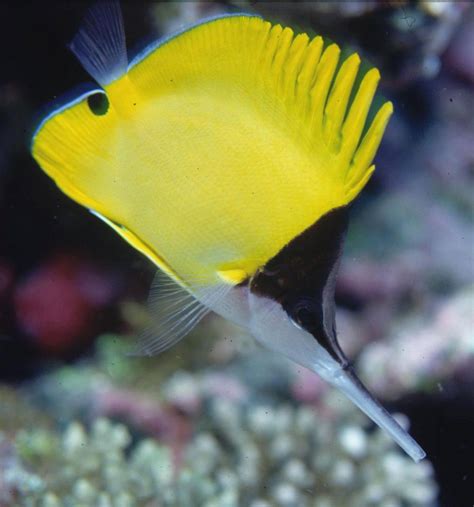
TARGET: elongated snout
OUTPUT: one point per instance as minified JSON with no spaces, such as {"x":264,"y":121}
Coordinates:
{"x":347,"y":381}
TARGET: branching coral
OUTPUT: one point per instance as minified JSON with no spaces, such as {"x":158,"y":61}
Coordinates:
{"x":242,"y":435}
{"x":286,"y":456}
{"x":423,"y":354}
{"x":89,"y":469}
{"x":244,"y":454}
{"x":17,"y":412}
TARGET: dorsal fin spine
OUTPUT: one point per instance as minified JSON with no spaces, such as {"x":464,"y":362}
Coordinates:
{"x":338,"y":99}
{"x":306,"y":77}
{"x":324,"y":76}
{"x":351,"y":192}
{"x":355,"y":120}
{"x":270,"y":50}
{"x":367,"y":149}
{"x":281,"y":58}
{"x":295,"y":61}
{"x":261,"y":61}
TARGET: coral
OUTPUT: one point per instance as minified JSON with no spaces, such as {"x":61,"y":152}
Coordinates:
{"x":243,"y":435}
{"x":404,"y":254}
{"x":99,"y":468}
{"x":56,"y":304}
{"x":421,"y":353}
{"x":16,"y":411}
{"x":238,"y":425}
{"x":112,"y":383}
{"x":258,"y":455}
{"x":460,"y":57}
{"x":294,"y":456}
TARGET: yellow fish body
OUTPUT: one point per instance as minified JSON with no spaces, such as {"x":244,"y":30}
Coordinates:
{"x":226,"y":154}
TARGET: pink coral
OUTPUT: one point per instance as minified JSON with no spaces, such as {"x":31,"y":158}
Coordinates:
{"x":155,"y":418}
{"x":460,"y":56}
{"x":307,"y":386}
{"x":423,"y":351}
{"x":57,"y":304}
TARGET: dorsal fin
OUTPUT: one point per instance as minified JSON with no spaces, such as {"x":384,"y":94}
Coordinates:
{"x":100,"y":42}
{"x":296,"y":80}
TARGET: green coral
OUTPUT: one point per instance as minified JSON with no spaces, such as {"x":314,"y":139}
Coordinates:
{"x":99,"y":468}
{"x":103,"y":468}
{"x":256,"y":450}
{"x":16,"y":411}
{"x":244,"y":454}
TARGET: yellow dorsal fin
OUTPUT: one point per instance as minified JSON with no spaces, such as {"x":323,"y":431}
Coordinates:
{"x":281,"y":71}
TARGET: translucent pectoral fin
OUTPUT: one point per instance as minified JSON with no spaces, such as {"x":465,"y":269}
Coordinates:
{"x":174,"y":311}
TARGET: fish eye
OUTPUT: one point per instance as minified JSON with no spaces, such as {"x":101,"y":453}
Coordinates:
{"x":303,"y":313}
{"x":98,"y":103}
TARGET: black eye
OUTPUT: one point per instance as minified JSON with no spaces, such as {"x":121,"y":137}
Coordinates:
{"x":304,"y":313}
{"x":98,"y":103}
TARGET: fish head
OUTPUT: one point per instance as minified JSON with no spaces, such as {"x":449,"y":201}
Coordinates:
{"x":299,"y":283}
{"x":292,"y":311}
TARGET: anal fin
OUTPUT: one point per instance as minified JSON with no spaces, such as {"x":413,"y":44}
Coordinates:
{"x":175,"y":306}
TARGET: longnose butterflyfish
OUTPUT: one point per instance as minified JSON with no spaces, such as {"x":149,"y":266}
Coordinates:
{"x":228,"y":154}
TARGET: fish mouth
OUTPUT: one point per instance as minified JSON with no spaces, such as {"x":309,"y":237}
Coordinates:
{"x":349,"y":383}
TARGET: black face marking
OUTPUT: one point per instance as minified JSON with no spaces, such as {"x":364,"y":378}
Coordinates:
{"x":302,"y":278}
{"x":98,"y":103}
